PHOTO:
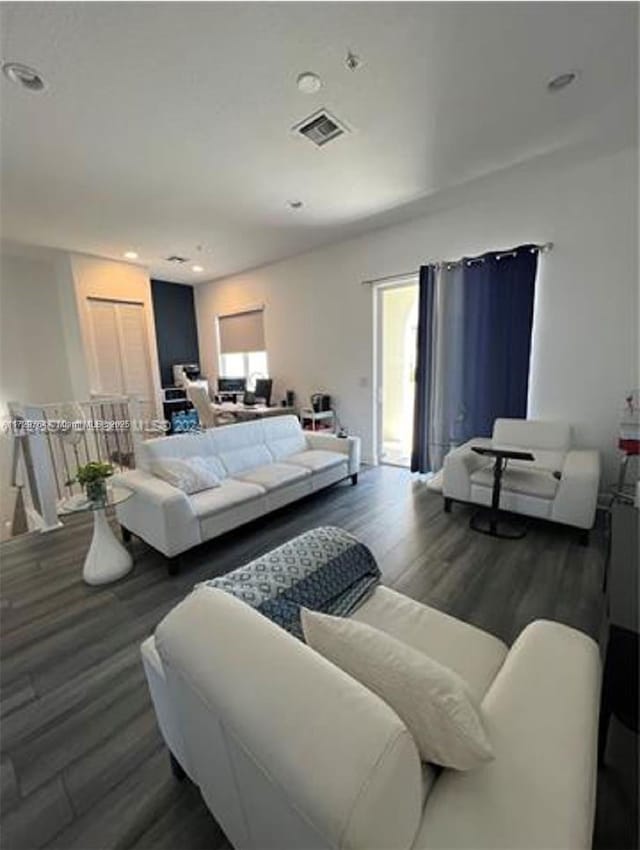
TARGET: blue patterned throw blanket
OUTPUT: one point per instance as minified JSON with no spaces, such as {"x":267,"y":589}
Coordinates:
{"x":325,"y":569}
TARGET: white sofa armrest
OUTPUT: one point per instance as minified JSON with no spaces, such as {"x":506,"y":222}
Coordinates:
{"x":349,"y":446}
{"x":459,"y":465}
{"x":577,"y":496}
{"x":165,"y":711}
{"x":541,"y":714}
{"x":158,"y":513}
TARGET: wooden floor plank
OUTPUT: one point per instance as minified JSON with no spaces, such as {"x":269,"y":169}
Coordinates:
{"x":38,"y":819}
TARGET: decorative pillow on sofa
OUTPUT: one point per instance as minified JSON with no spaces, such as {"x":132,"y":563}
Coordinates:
{"x":432,"y":701}
{"x":191,"y":475}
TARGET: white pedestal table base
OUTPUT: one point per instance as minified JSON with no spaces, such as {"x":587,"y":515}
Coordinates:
{"x":107,"y":560}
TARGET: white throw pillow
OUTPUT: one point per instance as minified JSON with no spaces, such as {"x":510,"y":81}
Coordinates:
{"x":191,"y":475}
{"x":433,"y":702}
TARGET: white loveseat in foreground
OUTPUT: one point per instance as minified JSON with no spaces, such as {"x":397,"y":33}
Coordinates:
{"x":291,"y":752}
{"x":262,"y":465}
{"x":560,"y":485}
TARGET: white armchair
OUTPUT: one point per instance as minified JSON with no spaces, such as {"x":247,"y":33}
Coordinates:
{"x":560,"y":485}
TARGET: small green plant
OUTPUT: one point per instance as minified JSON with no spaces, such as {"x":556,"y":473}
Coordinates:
{"x":93,"y":471}
{"x":92,"y":476}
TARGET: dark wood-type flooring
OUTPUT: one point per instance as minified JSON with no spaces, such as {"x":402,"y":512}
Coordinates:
{"x":83,"y":765}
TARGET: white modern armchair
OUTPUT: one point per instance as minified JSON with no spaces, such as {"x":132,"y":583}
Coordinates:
{"x":561,"y":484}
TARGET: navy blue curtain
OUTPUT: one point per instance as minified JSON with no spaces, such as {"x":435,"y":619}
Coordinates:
{"x":474,"y":345}
{"x":424,"y":358}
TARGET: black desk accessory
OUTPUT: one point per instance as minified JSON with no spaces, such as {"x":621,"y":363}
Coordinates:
{"x":487,"y":522}
{"x":264,"y":388}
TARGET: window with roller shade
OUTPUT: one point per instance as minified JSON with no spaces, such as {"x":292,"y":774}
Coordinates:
{"x":242,"y":350}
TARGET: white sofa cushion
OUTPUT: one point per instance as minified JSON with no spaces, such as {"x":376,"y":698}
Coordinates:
{"x":274,"y":475}
{"x":190,"y":474}
{"x":316,"y":459}
{"x":473,"y":654}
{"x":430,"y":699}
{"x":180,"y":446}
{"x":241,"y":446}
{"x":228,"y":494}
{"x":540,"y":483}
{"x":284,"y":436}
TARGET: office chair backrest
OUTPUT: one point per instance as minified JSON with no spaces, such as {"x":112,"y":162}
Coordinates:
{"x":263,"y":389}
{"x":199,"y":398}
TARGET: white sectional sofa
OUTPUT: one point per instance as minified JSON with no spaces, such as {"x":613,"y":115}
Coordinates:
{"x":291,"y":752}
{"x":262,"y":465}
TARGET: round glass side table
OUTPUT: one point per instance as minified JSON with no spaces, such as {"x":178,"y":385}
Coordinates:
{"x":107,"y":559}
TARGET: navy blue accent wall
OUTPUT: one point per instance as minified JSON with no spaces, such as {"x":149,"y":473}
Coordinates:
{"x":176,"y":329}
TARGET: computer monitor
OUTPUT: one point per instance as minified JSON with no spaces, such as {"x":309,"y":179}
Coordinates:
{"x":232,"y":385}
{"x":263,"y":389}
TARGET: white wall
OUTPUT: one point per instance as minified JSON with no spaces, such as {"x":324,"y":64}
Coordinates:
{"x":318,"y":316}
{"x":33,"y":357}
{"x":33,"y":360}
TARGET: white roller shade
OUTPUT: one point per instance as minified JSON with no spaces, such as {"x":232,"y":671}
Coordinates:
{"x":242,"y":332}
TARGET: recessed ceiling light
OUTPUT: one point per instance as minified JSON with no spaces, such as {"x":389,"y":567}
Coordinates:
{"x":561,"y":81}
{"x":197,"y":269}
{"x":130,"y":255}
{"x":23,"y":75}
{"x":309,"y":83}
{"x":295,"y":205}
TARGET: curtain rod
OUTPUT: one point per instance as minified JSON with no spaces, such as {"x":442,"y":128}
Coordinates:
{"x":543,"y":248}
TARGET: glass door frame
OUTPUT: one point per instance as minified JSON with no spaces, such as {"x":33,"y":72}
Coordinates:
{"x":378,"y":355}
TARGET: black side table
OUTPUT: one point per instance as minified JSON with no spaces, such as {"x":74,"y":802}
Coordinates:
{"x":493,"y":522}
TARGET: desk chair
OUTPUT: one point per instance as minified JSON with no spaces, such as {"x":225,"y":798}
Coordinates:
{"x":208,"y":416}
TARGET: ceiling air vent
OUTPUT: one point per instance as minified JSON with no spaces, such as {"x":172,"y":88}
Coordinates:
{"x":176,"y":258}
{"x":320,"y":128}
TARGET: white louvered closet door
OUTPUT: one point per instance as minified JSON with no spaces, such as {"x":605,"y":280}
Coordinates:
{"x":108,"y":379}
{"x":121,"y":350}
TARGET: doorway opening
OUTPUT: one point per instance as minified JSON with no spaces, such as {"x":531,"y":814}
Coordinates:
{"x":396,"y":332}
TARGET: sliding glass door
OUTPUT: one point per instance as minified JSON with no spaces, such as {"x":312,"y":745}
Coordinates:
{"x":396,"y":319}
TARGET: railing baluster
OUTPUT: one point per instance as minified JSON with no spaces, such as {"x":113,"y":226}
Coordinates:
{"x":51,"y":453}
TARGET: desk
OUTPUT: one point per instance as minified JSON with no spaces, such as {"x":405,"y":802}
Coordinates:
{"x":244,"y":412}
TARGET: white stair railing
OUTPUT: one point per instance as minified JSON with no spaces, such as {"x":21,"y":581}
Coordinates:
{"x":52,"y":440}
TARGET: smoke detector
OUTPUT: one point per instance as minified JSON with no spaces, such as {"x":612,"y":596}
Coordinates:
{"x":320,"y":128}
{"x":308,"y":82}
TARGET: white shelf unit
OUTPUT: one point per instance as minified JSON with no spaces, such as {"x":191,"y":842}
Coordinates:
{"x":318,"y":420}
